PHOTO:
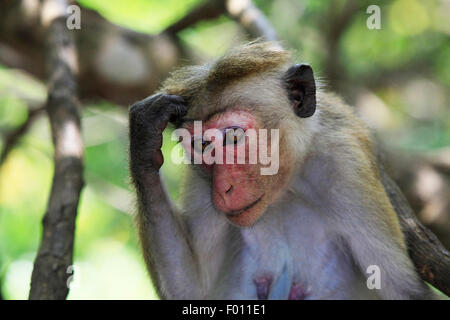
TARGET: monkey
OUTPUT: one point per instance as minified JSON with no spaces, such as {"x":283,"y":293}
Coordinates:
{"x":313,"y":230}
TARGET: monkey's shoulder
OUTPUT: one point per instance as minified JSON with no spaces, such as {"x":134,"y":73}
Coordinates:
{"x":337,"y":116}
{"x":342,"y":131}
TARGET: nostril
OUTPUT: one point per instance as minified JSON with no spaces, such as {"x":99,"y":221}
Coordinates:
{"x":229,"y":190}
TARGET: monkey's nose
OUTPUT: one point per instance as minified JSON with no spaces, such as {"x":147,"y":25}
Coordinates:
{"x":225,"y":191}
{"x":226,"y":195}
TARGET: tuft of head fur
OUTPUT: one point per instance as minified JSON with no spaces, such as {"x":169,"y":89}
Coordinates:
{"x":242,"y":61}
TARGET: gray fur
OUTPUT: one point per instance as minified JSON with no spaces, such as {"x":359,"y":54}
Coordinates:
{"x":327,"y":227}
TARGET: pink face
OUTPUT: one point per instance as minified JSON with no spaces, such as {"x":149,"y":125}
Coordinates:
{"x":238,"y":190}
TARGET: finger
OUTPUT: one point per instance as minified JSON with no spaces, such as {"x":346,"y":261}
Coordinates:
{"x":175,"y":99}
{"x":145,"y":103}
{"x":177,"y":112}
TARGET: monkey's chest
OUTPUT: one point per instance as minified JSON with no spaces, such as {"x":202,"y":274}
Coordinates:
{"x":307,"y":265}
{"x":268,"y":285}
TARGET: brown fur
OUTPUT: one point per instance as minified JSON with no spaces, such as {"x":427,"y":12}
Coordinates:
{"x":246,"y":60}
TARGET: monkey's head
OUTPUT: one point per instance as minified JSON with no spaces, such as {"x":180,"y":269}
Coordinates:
{"x":244,"y":95}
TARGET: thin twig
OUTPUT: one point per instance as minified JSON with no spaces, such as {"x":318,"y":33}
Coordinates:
{"x":243,"y":12}
{"x":206,"y":11}
{"x":13,"y":137}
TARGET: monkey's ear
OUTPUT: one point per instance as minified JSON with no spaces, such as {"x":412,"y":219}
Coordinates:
{"x":301,"y":88}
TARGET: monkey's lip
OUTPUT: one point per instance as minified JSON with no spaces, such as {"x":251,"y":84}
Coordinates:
{"x":235,"y":213}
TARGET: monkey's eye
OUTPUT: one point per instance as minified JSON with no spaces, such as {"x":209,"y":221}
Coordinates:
{"x":233,"y":135}
{"x":199,"y":145}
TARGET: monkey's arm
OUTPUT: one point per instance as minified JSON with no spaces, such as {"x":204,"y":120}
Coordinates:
{"x":166,"y":245}
{"x":373,"y":233}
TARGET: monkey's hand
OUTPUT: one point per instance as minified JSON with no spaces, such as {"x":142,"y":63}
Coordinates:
{"x":148,"y":119}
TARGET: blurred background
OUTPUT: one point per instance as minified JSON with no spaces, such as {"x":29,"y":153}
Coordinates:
{"x":397,"y":77}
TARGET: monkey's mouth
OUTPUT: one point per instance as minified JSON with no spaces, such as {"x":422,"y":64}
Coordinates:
{"x":235,"y":213}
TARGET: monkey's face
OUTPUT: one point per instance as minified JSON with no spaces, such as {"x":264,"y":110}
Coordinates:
{"x":240,"y":157}
{"x":240,"y":144}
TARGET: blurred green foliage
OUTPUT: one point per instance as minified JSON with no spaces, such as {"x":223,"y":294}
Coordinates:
{"x":142,"y":15}
{"x":107,"y":259}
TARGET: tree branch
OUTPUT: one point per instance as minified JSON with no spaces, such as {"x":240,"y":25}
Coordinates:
{"x":50,"y":273}
{"x":431,"y":259}
{"x":243,"y":12}
{"x":116,"y":64}
{"x":13,"y":137}
{"x":206,"y":11}
{"x":251,"y":19}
